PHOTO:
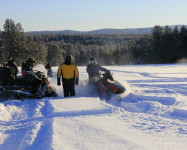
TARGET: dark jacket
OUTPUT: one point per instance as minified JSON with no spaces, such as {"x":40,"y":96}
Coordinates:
{"x":27,"y":71}
{"x":94,"y":69}
{"x":48,"y":66}
{"x":12,"y":64}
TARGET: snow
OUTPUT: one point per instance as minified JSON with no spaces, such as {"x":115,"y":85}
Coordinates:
{"x":151,"y":115}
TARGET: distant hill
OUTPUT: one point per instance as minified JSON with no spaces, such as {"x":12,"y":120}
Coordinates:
{"x":104,"y":31}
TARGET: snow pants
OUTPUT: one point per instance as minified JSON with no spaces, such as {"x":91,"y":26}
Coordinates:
{"x":69,"y":87}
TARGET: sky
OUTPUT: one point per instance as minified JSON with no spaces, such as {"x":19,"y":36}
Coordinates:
{"x":86,"y":15}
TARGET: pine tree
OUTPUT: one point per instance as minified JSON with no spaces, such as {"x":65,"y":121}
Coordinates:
{"x":14,"y":40}
{"x":167,"y":45}
{"x":177,"y":53}
{"x":183,"y":41}
{"x":1,"y":48}
{"x":54,"y":55}
{"x":157,"y":34}
{"x":40,"y":52}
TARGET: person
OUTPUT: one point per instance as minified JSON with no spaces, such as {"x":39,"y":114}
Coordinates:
{"x":11,"y":63}
{"x":48,"y":66}
{"x":93,"y":69}
{"x":70,"y":76}
{"x":32,"y":79}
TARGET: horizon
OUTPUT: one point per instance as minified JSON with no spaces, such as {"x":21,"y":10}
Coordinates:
{"x":106,"y":28}
{"x":83,"y":15}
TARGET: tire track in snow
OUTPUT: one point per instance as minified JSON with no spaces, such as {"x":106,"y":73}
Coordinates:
{"x":21,"y":131}
{"x":26,"y":132}
{"x":43,"y":140}
{"x":31,"y":132}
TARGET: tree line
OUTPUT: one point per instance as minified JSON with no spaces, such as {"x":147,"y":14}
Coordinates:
{"x":163,"y":45}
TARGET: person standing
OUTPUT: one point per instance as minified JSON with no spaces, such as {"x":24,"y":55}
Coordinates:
{"x":70,"y":76}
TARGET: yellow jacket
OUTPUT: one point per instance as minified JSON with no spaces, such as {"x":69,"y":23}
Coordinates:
{"x":68,"y":71}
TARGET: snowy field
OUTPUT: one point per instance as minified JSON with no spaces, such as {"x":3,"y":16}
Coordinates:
{"x":152,"y":114}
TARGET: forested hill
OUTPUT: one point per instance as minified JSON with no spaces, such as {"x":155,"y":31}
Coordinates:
{"x":164,"y":45}
{"x":105,"y":31}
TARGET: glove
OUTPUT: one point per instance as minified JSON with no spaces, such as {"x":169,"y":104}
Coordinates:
{"x":58,"y":82}
{"x":77,"y":81}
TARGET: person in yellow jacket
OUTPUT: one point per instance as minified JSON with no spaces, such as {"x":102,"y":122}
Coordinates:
{"x":70,"y":76}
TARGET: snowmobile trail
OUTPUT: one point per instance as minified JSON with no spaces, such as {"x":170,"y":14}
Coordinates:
{"x":43,"y":136}
{"x":31,"y":129}
{"x":43,"y":130}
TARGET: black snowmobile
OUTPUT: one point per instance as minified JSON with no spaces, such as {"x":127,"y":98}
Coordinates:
{"x":19,"y":88}
{"x":106,"y":86}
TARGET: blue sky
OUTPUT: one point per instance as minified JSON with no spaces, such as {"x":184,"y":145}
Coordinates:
{"x":85,"y":15}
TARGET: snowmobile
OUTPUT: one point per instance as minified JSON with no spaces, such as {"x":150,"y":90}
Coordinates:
{"x":49,"y":69}
{"x":50,"y":73}
{"x":19,"y":88}
{"x":106,"y":86}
